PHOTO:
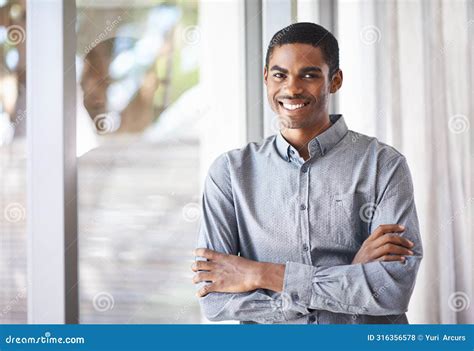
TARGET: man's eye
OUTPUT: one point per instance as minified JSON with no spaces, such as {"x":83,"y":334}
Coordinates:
{"x":309,"y":75}
{"x":279,"y":75}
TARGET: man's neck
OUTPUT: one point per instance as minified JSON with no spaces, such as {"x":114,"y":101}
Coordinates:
{"x":299,"y":138}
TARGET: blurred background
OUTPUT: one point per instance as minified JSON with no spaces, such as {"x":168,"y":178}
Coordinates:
{"x":163,"y":87}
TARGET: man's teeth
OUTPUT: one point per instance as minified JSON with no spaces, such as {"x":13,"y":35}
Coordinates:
{"x":293,"y":107}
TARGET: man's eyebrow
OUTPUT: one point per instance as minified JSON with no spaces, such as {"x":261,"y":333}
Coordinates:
{"x":303,"y":70}
{"x":278,"y":68}
{"x":311,"y":69}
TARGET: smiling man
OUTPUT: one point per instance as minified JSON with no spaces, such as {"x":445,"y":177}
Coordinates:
{"x":316,"y":224}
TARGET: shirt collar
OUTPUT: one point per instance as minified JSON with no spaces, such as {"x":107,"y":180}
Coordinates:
{"x":320,"y":144}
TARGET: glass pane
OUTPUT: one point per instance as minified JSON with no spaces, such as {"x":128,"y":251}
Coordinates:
{"x":12,"y":162}
{"x":138,"y":166}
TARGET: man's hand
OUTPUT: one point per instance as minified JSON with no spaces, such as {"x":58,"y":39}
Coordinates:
{"x":230,"y":273}
{"x":381,"y":245}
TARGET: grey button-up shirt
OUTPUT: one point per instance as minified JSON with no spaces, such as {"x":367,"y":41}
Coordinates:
{"x":267,"y":204}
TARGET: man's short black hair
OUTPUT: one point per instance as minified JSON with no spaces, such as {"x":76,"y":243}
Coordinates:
{"x":308,"y":33}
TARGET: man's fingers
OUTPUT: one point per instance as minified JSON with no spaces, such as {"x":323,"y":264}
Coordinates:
{"x":393,"y":249}
{"x":203,"y":277}
{"x":393,"y":239}
{"x":385,"y":228}
{"x":207,"y":253}
{"x":206,"y":290}
{"x":202,"y":266}
{"x":387,"y":258}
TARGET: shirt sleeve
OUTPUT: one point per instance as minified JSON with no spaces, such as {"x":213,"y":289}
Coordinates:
{"x":375,"y":288}
{"x":219,"y":231}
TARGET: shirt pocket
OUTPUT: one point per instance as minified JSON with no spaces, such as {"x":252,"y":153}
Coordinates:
{"x":345,"y":225}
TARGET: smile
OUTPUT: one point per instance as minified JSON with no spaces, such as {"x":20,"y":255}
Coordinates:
{"x":292,"y":107}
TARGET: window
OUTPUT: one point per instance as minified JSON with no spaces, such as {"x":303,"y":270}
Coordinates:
{"x":12,"y":162}
{"x":138,"y":118}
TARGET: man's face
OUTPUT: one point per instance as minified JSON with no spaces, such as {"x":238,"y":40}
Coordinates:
{"x":298,"y":85}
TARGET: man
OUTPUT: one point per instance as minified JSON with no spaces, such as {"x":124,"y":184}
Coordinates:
{"x":316,"y":224}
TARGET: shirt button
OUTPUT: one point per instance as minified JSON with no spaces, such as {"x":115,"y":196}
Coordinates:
{"x":312,"y":319}
{"x":294,"y":297}
{"x":292,"y":152}
{"x":303,"y":207}
{"x":304,"y":169}
{"x":305,"y":247}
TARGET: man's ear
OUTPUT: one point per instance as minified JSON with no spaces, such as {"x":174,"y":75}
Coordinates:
{"x":265,"y":74}
{"x":336,"y":81}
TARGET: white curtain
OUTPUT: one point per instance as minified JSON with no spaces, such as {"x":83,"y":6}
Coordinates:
{"x":409,"y":80}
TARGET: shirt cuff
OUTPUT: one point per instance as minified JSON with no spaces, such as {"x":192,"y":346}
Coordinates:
{"x":297,"y":283}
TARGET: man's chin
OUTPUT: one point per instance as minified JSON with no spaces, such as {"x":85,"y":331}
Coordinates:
{"x":293,"y":121}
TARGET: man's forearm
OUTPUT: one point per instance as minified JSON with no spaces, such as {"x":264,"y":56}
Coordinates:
{"x":235,"y":274}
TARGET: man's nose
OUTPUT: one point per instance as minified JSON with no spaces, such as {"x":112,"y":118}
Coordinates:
{"x":293,"y":86}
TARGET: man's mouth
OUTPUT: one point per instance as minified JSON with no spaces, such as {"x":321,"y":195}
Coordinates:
{"x":294,"y":105}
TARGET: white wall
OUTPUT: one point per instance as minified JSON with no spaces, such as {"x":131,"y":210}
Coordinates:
{"x":222,"y":76}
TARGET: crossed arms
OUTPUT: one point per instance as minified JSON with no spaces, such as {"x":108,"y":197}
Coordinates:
{"x":379,"y":281}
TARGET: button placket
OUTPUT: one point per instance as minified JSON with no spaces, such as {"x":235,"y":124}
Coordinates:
{"x":304,"y":212}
